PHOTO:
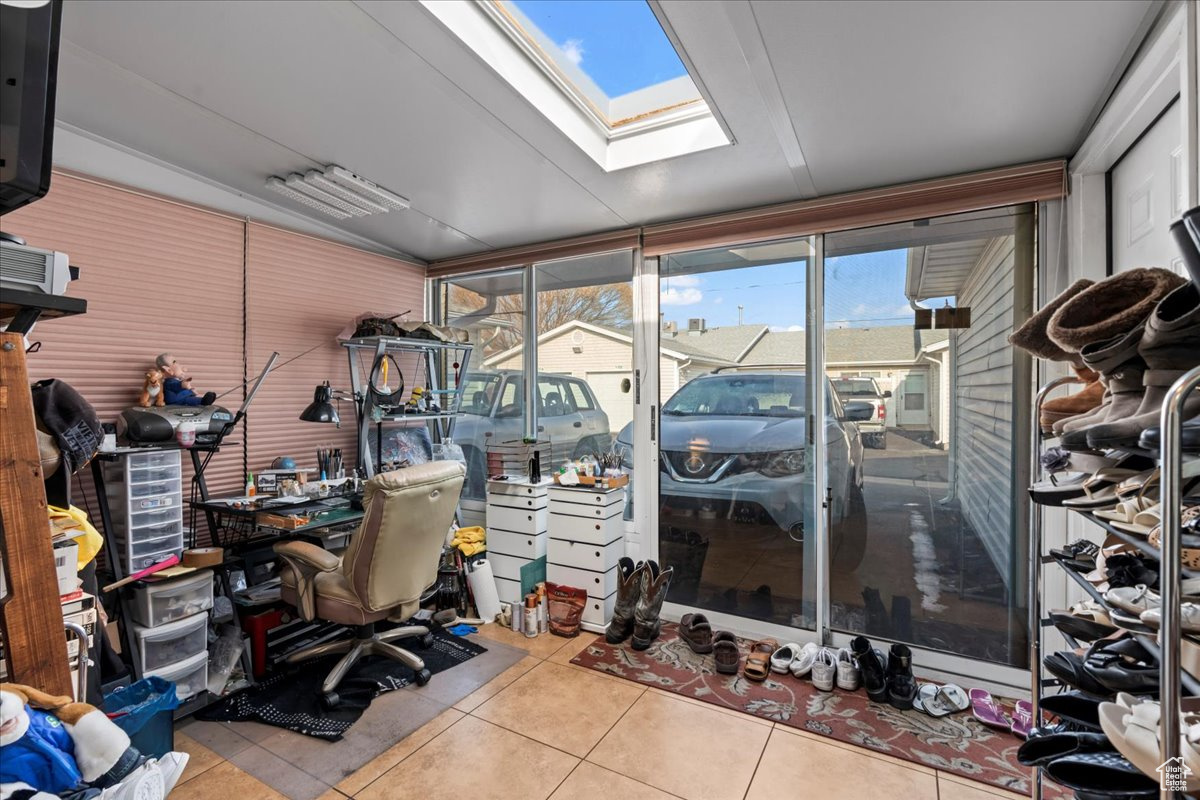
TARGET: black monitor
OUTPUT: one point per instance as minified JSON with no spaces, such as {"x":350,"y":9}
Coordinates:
{"x":28,"y":79}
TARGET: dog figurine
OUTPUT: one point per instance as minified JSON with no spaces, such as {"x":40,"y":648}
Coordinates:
{"x":152,"y":390}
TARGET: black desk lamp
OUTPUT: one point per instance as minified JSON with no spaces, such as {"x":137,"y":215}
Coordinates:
{"x":321,"y":409}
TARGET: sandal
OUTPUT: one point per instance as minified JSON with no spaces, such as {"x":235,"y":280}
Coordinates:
{"x":695,"y":630}
{"x":940,"y":701}
{"x":758,"y":660}
{"x":987,"y":710}
{"x":1087,"y":620}
{"x":1022,"y":719}
{"x":726,"y":655}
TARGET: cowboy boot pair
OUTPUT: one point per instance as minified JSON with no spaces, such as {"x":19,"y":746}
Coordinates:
{"x":641,"y":591}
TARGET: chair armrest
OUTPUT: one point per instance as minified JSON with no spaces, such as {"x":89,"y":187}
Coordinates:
{"x":309,"y":555}
{"x":306,"y":561}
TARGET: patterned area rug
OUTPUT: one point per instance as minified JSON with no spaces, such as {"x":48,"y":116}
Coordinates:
{"x":957,"y":743}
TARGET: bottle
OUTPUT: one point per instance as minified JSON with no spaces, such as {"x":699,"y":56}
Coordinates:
{"x":250,"y":490}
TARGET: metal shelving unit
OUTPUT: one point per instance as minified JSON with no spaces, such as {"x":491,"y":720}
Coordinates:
{"x":1167,"y":642}
{"x":442,"y":366}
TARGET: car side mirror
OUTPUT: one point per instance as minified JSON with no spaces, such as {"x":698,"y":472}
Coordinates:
{"x":887,"y":393}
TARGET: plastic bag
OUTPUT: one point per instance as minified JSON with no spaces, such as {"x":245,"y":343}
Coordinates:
{"x":566,"y":608}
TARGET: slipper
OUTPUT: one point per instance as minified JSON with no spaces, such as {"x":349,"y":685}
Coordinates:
{"x":1143,"y":522}
{"x":758,"y":660}
{"x":1125,"y":510}
{"x":1022,"y":719}
{"x":940,"y":701}
{"x":695,"y":630}
{"x":1132,"y":725}
{"x":726,"y":655}
{"x":781,"y":659}
{"x":987,"y":710}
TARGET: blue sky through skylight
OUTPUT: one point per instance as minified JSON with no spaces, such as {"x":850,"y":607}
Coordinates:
{"x":618,"y":43}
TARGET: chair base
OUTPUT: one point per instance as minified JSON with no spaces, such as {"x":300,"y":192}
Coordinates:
{"x":366,"y":643}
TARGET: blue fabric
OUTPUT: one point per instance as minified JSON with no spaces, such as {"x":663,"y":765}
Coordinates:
{"x":463,"y":629}
{"x":44,"y":757}
{"x":175,"y":395}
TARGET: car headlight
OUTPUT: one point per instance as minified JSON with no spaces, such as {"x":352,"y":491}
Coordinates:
{"x":781,"y":463}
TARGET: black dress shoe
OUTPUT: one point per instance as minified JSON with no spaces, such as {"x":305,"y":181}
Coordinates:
{"x":1105,"y":775}
{"x":1123,"y":665}
{"x":1076,"y":708}
{"x":1039,"y":750}
{"x":1068,"y":668}
{"x":1152,"y":437}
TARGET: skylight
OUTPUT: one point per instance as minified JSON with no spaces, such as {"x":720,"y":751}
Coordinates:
{"x":604,"y":72}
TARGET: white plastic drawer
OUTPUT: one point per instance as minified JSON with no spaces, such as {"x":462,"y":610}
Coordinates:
{"x":582,"y":529}
{"x":163,"y":458}
{"x":149,"y":547}
{"x":508,"y":591}
{"x":160,"y":603}
{"x":154,"y":488}
{"x":598,"y":611}
{"x":516,"y":519}
{"x":596,"y":557}
{"x":134,"y":563}
{"x":522,"y":502}
{"x":586,"y":511}
{"x":150,"y":474}
{"x":587,"y":497}
{"x":190,"y":677}
{"x":155,"y":516}
{"x":515,"y":489}
{"x":526,"y":545}
{"x":597,"y":584}
{"x":507,"y":567}
{"x":172,"y":643}
{"x":158,"y":530}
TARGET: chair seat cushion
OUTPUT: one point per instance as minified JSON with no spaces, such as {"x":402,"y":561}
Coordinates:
{"x":335,"y":600}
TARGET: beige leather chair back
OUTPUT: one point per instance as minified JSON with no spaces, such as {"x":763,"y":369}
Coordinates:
{"x":395,"y":554}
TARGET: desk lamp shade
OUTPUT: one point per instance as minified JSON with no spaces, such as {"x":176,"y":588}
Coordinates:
{"x":321,"y":409}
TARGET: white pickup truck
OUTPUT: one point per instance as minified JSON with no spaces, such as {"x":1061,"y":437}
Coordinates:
{"x":857,"y":394}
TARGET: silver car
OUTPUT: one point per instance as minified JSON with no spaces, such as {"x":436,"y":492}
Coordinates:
{"x":735,"y":445}
{"x":493,"y":411}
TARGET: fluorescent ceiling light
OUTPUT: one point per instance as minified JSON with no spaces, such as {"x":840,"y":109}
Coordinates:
{"x":296,"y":181}
{"x":277,"y":185}
{"x":361,"y":185}
{"x":337,"y":192}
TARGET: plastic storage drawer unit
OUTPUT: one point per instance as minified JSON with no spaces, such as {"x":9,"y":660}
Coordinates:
{"x":166,"y":645}
{"x":166,"y":601}
{"x":190,"y":677}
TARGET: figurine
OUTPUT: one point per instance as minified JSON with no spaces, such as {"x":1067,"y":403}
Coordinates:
{"x":417,"y":402}
{"x":152,"y":389}
{"x":178,"y":386}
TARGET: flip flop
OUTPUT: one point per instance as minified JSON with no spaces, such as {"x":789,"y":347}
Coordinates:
{"x":1022,"y":719}
{"x":940,"y":701}
{"x":987,"y":710}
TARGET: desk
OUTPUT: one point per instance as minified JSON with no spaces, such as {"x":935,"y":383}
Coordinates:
{"x":237,"y":525}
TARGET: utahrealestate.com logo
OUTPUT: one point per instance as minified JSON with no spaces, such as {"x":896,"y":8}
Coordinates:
{"x":1173,"y":774}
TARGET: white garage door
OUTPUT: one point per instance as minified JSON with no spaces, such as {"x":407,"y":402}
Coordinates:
{"x":616,"y":403}
{"x":1147,"y":196}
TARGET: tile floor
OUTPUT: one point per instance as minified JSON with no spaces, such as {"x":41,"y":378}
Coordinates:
{"x":544,"y":728}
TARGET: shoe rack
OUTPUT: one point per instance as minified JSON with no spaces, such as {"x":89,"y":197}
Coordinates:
{"x":1174,"y":682}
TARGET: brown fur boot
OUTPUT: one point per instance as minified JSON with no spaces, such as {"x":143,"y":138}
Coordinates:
{"x":1032,"y":336}
{"x":1082,"y":402}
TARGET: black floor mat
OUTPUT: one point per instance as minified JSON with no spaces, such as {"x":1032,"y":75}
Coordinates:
{"x":290,"y":699}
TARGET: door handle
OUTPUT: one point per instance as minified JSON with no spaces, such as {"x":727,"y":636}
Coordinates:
{"x":577,"y":424}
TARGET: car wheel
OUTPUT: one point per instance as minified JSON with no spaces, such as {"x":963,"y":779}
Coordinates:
{"x":850,"y":534}
{"x":881,"y":441}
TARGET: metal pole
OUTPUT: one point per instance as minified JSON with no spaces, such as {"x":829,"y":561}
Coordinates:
{"x":1171,"y":460}
{"x":1035,"y":570}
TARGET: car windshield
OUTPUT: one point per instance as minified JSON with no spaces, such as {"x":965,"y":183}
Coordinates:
{"x":740,"y":396}
{"x":856,"y":387}
{"x":479,"y":392}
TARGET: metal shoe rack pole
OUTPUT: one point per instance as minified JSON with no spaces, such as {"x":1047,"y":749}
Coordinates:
{"x":1037,"y":683}
{"x":1171,"y":665}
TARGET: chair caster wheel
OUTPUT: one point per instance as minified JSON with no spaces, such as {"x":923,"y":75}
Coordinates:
{"x":330,"y":700}
{"x":423,"y":677}
{"x":426,"y":641}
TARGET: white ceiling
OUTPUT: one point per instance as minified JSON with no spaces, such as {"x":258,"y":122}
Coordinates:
{"x":822,"y":97}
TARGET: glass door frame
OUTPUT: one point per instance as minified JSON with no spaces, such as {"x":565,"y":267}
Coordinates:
{"x":939,"y":665}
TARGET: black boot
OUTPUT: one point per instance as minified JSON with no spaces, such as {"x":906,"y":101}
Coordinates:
{"x":901,"y":685}
{"x":647,"y":624}
{"x":874,"y":674}
{"x":629,"y":588}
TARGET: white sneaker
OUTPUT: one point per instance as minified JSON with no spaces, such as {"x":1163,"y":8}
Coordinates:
{"x":172,"y":765}
{"x":803,"y":663}
{"x":824,"y":669}
{"x":144,"y":783}
{"x":848,"y":675}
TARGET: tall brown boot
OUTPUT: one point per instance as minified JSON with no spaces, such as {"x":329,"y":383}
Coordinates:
{"x":647,"y":624}
{"x":1083,"y":401}
{"x":629,"y":589}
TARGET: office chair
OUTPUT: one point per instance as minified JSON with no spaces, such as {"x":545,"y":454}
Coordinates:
{"x":391,"y":559}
